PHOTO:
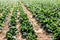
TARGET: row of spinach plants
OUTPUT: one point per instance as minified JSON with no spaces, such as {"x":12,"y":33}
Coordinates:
{"x":12,"y":32}
{"x":26,"y":27}
{"x":4,"y":10}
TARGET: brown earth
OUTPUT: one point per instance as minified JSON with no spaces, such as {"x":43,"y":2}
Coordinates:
{"x":0,"y":14}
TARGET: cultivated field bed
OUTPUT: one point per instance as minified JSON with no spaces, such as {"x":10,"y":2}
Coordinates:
{"x":29,"y":19}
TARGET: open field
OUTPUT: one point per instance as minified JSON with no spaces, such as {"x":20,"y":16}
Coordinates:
{"x":29,"y":19}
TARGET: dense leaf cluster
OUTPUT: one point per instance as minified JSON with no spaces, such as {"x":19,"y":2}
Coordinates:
{"x":4,"y":10}
{"x":12,"y":32}
{"x":26,"y":27}
{"x":47,"y":13}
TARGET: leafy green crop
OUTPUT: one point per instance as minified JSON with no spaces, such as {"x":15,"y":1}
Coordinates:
{"x":26,"y":27}
{"x":47,"y":13}
{"x":4,"y":10}
{"x":12,"y":32}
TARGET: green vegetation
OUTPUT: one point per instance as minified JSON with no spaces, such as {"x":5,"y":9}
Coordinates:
{"x":47,"y":13}
{"x":26,"y":27}
{"x":4,"y":10}
{"x":12,"y":32}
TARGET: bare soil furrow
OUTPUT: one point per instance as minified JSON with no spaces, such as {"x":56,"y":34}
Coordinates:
{"x":19,"y":36}
{"x":18,"y":27}
{"x":0,"y":14}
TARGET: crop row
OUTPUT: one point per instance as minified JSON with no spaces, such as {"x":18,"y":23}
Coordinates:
{"x":12,"y":32}
{"x":47,"y":13}
{"x":26,"y":27}
{"x":4,"y":11}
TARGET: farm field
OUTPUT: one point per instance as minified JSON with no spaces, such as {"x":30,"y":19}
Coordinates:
{"x":29,"y":19}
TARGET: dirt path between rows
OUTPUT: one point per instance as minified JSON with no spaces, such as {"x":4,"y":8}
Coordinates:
{"x":41,"y":34}
{"x":6,"y":25}
{"x":18,"y":27}
{"x":19,"y":36}
{"x":0,"y":14}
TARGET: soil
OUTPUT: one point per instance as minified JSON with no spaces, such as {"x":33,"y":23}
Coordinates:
{"x":0,"y":14}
